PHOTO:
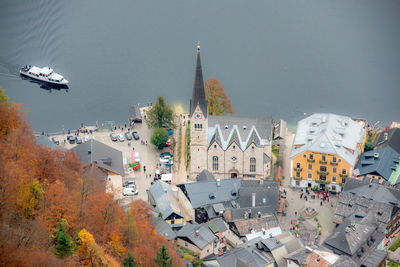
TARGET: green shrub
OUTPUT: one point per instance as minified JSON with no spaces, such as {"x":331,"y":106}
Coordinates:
{"x":392,"y":264}
{"x":395,"y":245}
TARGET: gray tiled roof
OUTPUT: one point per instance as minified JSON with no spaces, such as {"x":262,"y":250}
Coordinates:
{"x":205,"y":176}
{"x":266,"y":194}
{"x":241,"y":130}
{"x":205,"y":193}
{"x":375,"y":258}
{"x":163,"y":228}
{"x":217,"y":224}
{"x":101,"y":154}
{"x":165,"y":199}
{"x":328,"y":133}
{"x":45,"y":141}
{"x":204,"y":238}
{"x":390,"y":138}
{"x":381,"y":161}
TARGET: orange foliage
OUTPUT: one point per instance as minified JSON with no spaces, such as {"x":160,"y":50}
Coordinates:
{"x":39,"y":186}
{"x":218,"y":102}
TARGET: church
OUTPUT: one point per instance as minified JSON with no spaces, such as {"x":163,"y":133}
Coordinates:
{"x":226,"y":146}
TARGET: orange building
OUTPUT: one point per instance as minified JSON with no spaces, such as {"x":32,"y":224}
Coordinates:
{"x":325,"y":150}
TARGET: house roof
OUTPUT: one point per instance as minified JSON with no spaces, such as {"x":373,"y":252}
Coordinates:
{"x":164,"y":199}
{"x":375,"y":258}
{"x":217,"y":225}
{"x":163,"y":228}
{"x":246,"y":226}
{"x":205,"y":176}
{"x":266,"y":194}
{"x":45,"y":141}
{"x":363,"y":196}
{"x":103,"y":155}
{"x":198,"y":94}
{"x":204,"y":237}
{"x":209,"y":192}
{"x":390,"y":138}
{"x":351,"y":235}
{"x":243,"y":131}
{"x":382,"y":161}
{"x":329,"y":133}
{"x":243,"y":257}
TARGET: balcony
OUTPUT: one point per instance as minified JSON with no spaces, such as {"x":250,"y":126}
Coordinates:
{"x":343,"y":175}
{"x":311,"y":160}
{"x":298,"y":169}
{"x":323,"y":162}
{"x":322,"y":181}
{"x":298,"y":178}
{"x":325,"y":173}
{"x":333,"y":163}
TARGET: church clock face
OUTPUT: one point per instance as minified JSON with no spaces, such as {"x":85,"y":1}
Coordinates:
{"x":197,"y":115}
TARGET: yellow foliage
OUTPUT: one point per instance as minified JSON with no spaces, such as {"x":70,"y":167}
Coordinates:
{"x":89,"y":252}
{"x":29,"y":197}
{"x":116,"y":245}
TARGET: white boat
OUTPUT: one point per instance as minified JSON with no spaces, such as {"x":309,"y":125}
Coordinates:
{"x":43,"y":74}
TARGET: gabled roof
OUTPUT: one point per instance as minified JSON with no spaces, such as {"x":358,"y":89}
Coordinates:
{"x":205,"y":176}
{"x":163,"y":228}
{"x":103,"y":155}
{"x":204,"y":237}
{"x":45,"y":141}
{"x":164,"y":199}
{"x":217,"y":225}
{"x":266,"y":193}
{"x":209,"y":192}
{"x":329,"y":133}
{"x":242,"y":130}
{"x":382,"y":161}
{"x":198,"y":94}
{"x":390,"y":138}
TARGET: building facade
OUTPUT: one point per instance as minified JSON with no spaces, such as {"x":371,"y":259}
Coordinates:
{"x":226,"y":146}
{"x":325,"y":151}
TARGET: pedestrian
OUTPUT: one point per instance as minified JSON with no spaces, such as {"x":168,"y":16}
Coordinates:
{"x":291,"y":222}
{"x":144,"y":168}
{"x":301,"y":195}
{"x":125,"y":125}
{"x":328,"y":199}
{"x":295,"y":213}
{"x":150,"y":175}
{"x":146,"y":175}
{"x":320,"y":203}
{"x":305,"y":197}
{"x":146,"y":142}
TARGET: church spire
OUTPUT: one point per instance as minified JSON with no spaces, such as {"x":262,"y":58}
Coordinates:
{"x":198,"y":95}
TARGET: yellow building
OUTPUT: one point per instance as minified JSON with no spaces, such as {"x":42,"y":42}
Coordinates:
{"x":325,"y":151}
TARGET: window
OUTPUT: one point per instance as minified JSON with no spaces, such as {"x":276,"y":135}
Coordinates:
{"x":323,"y":158}
{"x":186,"y":244}
{"x":309,"y":175}
{"x":304,"y":156}
{"x":310,"y":166}
{"x":311,"y":156}
{"x":297,"y":183}
{"x":201,"y":126}
{"x":252,"y":164}
{"x":334,"y":179}
{"x":322,"y":168}
{"x":215,"y":163}
{"x":298,"y":174}
{"x":215,"y":146}
{"x":343,"y":171}
{"x":195,"y":125}
{"x":298,"y":165}
{"x":233,"y":146}
{"x":334,"y":159}
{"x":339,"y":160}
{"x":333,"y":187}
{"x":234,"y":159}
{"x":334,"y":170}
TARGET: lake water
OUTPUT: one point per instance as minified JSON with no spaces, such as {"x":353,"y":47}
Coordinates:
{"x":275,"y":58}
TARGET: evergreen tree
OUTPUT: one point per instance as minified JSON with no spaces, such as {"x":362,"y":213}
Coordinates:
{"x":160,"y":115}
{"x":129,"y":261}
{"x":63,"y":244}
{"x":162,"y":258}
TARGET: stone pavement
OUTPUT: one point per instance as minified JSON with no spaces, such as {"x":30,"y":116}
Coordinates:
{"x":295,"y":204}
{"x":180,"y":172}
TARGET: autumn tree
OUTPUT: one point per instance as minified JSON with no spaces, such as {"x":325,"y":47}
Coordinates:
{"x":3,"y":96}
{"x":218,"y":102}
{"x":163,"y":259}
{"x":160,"y":115}
{"x":160,"y":137}
{"x":63,"y":243}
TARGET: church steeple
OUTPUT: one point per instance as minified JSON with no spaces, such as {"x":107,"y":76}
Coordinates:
{"x":198,"y":95}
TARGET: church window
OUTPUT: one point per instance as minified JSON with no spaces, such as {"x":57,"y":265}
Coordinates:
{"x":233,"y":146}
{"x":215,"y":146}
{"x":252,"y":164}
{"x":201,"y":126}
{"x":215,"y":163}
{"x":195,"y":126}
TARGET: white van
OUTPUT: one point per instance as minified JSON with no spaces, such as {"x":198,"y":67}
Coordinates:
{"x":130,"y":191}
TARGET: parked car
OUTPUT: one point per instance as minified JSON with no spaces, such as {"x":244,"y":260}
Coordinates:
{"x":86,"y":138}
{"x":168,"y":144}
{"x":71,"y":139}
{"x":113,"y":137}
{"x":55,"y":140}
{"x":135,"y":135}
{"x":121,"y":137}
{"x":129,"y":191}
{"x":166,"y":155}
{"x":166,"y":161}
{"x":130,"y":184}
{"x":78,"y":139}
{"x":128,"y":136}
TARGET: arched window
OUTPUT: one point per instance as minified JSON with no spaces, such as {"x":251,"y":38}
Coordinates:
{"x":252,"y":164}
{"x":215,"y":163}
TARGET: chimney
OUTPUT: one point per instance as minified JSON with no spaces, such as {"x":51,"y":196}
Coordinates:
{"x":253,"y":200}
{"x":197,"y":232}
{"x":218,"y":182}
